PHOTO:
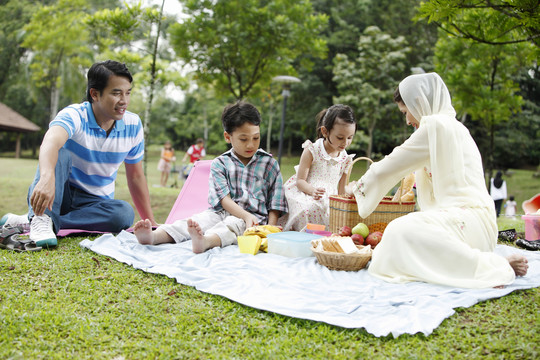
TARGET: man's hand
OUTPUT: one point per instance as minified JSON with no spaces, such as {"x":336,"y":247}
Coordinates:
{"x":43,"y":195}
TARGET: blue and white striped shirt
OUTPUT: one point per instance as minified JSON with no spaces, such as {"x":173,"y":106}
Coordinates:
{"x":256,"y":187}
{"x":96,"y":157}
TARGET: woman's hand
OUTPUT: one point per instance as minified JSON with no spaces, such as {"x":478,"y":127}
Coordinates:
{"x":349,"y":188}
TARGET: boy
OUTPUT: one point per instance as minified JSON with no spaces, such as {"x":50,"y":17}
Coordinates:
{"x":246,"y":189}
{"x":79,"y":158}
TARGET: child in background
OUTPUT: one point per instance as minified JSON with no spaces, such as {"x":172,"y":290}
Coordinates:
{"x":165,"y":162}
{"x":322,"y":170}
{"x":510,"y":207}
{"x":195,"y":152}
{"x":246,"y":189}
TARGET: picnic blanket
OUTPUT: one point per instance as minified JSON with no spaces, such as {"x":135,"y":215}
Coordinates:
{"x":302,"y":288}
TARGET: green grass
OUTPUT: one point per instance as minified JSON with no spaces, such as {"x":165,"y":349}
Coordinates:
{"x":70,"y":303}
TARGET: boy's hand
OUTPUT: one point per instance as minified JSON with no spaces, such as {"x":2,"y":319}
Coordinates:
{"x":251,"y":220}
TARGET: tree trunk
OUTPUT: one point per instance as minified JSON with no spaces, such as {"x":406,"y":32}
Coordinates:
{"x":147,"y":112}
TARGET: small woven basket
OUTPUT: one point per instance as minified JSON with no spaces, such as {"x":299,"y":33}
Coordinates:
{"x":341,"y":261}
{"x":344,"y":210}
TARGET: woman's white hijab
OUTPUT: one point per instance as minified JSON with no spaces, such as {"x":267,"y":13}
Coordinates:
{"x":450,"y":146}
{"x":426,"y":94}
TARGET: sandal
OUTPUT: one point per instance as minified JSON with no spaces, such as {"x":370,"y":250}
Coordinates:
{"x":10,"y":240}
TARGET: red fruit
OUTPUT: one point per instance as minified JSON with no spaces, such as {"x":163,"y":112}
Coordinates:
{"x":357,"y":239}
{"x":374,"y":238}
{"x":345,"y":231}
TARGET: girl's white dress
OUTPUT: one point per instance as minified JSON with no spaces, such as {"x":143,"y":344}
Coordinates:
{"x":325,"y":172}
{"x":450,"y":241}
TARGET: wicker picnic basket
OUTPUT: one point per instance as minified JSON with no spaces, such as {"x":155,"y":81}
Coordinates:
{"x":341,"y":261}
{"x":344,"y":210}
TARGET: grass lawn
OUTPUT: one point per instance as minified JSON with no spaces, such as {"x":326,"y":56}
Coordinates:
{"x":70,"y":303}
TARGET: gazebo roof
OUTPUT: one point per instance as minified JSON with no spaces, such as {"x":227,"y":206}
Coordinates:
{"x":10,"y":120}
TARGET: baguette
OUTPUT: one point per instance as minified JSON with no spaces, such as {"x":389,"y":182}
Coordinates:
{"x":406,"y":191}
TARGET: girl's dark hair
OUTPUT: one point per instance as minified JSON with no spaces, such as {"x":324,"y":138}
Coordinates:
{"x":397,"y":96}
{"x":100,"y":72}
{"x":328,"y":117}
{"x":236,"y":115}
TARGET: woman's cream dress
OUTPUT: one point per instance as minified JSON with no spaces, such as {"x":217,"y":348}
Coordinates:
{"x":450,"y":241}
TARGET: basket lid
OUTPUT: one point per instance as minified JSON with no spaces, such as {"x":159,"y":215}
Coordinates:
{"x":295,"y":236}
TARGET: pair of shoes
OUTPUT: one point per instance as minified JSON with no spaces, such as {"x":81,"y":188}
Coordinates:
{"x":10,"y":240}
{"x":14,"y":220}
{"x":529,"y":245}
{"x":41,"y":231}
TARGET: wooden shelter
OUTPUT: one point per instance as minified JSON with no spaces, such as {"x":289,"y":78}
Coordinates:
{"x":12,"y":121}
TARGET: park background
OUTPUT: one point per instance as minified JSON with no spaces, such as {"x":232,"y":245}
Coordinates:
{"x":69,"y":303}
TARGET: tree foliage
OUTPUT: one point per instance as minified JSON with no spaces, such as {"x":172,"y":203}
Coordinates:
{"x":495,"y":22}
{"x":236,"y":44}
{"x":480,"y":78}
{"x":367,"y":81}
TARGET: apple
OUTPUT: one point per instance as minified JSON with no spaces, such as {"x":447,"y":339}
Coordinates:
{"x":357,"y":239}
{"x":345,"y":231}
{"x":361,"y":229}
{"x":374,"y":239}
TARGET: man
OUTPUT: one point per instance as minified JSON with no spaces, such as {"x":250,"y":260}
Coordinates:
{"x":79,"y":159}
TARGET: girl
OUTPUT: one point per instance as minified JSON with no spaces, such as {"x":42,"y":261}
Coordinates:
{"x":164,"y":164}
{"x":322,"y":170}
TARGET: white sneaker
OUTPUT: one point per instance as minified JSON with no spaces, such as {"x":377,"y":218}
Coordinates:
{"x":41,"y":231}
{"x":13,"y":220}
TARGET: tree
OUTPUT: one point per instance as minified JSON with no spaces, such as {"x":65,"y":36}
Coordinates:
{"x":120,"y":29}
{"x":494,"y":22}
{"x":479,"y":77}
{"x":239,"y":45}
{"x":56,"y":37}
{"x":367,"y":81}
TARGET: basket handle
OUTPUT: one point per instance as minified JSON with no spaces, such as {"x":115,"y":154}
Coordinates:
{"x":400,"y":189}
{"x":350,"y":167}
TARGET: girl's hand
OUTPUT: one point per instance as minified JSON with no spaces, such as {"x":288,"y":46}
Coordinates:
{"x":318,"y":193}
{"x":349,"y":188}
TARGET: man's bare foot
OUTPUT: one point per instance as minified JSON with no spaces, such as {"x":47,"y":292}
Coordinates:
{"x":143,"y":231}
{"x":519,"y":264}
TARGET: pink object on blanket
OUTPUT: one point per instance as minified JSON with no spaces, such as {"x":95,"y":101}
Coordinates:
{"x":193,"y":197}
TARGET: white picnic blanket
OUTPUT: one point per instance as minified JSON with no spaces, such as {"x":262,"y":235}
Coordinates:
{"x":302,"y":288}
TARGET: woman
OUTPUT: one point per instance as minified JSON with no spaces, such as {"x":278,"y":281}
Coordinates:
{"x":450,"y":241}
{"x":498,"y":191}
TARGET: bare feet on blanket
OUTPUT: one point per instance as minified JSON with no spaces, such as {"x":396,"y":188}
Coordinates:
{"x":199,"y":242}
{"x":143,"y":232}
{"x":519,"y":264}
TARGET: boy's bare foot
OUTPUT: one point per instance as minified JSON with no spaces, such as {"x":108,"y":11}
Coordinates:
{"x":200,"y":242}
{"x":519,"y":264}
{"x":143,"y":231}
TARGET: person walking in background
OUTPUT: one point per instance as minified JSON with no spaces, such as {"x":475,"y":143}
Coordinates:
{"x":322,"y":170}
{"x":498,"y":191}
{"x":510,"y":207}
{"x":165,"y":162}
{"x":195,"y":152}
